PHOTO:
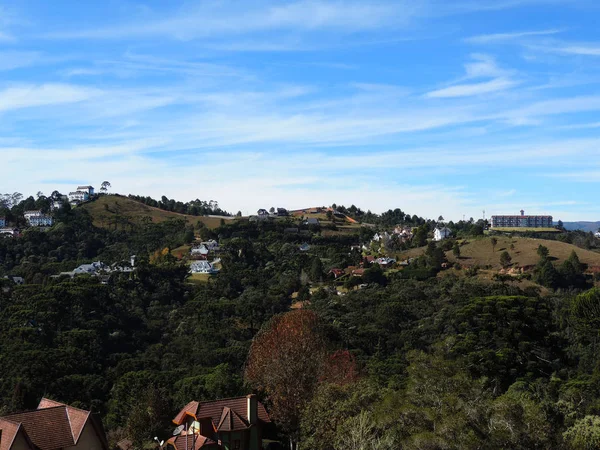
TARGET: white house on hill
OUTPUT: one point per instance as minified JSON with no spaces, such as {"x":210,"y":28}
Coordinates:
{"x":440,"y":234}
{"x":37,"y":219}
{"x":82,"y":194}
{"x":9,"y":232}
{"x":202,"y":267}
{"x":88,"y":189}
{"x":78,"y":196}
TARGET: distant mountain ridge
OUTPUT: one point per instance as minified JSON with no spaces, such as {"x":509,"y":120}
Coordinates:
{"x":584,"y":226}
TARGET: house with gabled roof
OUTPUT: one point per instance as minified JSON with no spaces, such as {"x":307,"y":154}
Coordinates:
{"x":439,"y":234}
{"x":226,"y":424}
{"x":52,"y":426}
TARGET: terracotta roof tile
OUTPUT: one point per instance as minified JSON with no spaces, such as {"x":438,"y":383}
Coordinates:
{"x":214,"y":410}
{"x":188,"y":410}
{"x":77,"y":417}
{"x":9,"y":430}
{"x":179,"y":442}
{"x":48,"y":428}
{"x":231,"y":421}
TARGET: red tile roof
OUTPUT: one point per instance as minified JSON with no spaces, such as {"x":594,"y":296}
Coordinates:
{"x":231,"y":421}
{"x":214,"y":410}
{"x":47,"y":428}
{"x":53,"y":425}
{"x":9,"y":431}
{"x":77,"y":417}
{"x":188,"y":410}
{"x":179,"y":442}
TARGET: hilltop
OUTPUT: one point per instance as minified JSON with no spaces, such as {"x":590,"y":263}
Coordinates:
{"x":110,"y":211}
{"x":479,"y":252}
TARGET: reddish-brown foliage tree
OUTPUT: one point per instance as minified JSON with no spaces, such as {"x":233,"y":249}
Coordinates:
{"x":286,"y":361}
{"x":340,"y":368}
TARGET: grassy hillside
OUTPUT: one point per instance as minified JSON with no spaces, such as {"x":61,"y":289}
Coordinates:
{"x":109,"y":210}
{"x":480,"y":252}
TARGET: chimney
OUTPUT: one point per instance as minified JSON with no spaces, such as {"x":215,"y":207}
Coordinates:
{"x":252,"y":409}
{"x":522,"y":212}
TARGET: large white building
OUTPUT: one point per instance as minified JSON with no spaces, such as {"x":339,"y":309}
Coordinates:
{"x":78,"y":196}
{"x":36,"y":218}
{"x":202,"y":267}
{"x":522,"y":221}
{"x":82,"y":194}
{"x":88,"y":189}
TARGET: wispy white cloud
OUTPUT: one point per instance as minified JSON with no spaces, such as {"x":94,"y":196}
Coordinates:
{"x":468,"y":90}
{"x":502,"y":37}
{"x":582,"y":49}
{"x":580,"y":126}
{"x":210,"y":19}
{"x":482,"y":66}
{"x":554,"y":107}
{"x":26,"y":96}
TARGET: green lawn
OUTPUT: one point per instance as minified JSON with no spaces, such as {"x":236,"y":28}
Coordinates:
{"x":198,"y":278}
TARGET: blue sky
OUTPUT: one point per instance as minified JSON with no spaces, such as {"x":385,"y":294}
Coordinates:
{"x":433,"y":106}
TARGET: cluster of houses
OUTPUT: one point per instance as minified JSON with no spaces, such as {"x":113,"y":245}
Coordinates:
{"x":6,"y":231}
{"x":204,"y":249}
{"x":226,"y":424}
{"x":201,"y":253}
{"x":237,"y":423}
{"x":384,"y":262}
{"x":100,"y":269}
{"x":263,"y":214}
{"x":36,"y":218}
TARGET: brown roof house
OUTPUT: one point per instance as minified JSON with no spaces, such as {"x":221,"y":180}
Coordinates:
{"x":52,"y":426}
{"x":227,"y":424}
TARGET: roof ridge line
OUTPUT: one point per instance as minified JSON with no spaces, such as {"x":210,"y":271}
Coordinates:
{"x":222,"y":399}
{"x":70,"y":424}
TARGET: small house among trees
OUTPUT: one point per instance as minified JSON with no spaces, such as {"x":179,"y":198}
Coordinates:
{"x":439,"y":234}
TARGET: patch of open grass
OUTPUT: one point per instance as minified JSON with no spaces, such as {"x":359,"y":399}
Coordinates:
{"x":198,"y":278}
{"x":110,"y":211}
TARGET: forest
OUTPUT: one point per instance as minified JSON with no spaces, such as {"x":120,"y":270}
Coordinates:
{"x":406,"y":360}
